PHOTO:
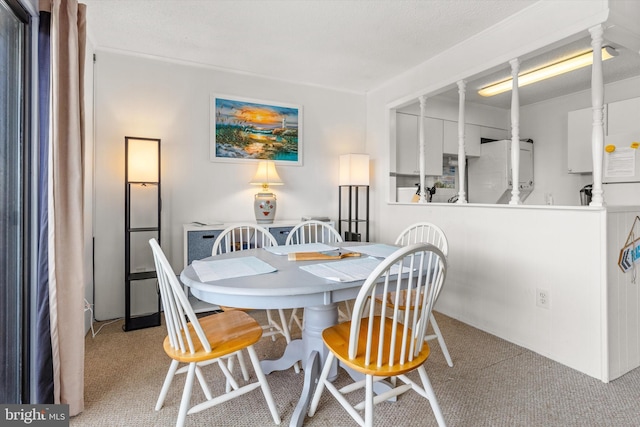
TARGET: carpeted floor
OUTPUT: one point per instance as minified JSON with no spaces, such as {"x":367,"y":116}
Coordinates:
{"x":492,"y":383}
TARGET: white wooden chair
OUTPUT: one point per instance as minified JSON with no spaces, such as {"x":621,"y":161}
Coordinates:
{"x":313,"y":231}
{"x":243,"y":236}
{"x":429,"y":233}
{"x":380,"y":344}
{"x":199,"y":342}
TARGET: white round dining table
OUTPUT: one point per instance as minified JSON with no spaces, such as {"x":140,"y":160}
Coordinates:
{"x":287,"y":287}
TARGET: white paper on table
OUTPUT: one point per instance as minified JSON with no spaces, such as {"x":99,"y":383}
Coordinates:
{"x":305,"y":247}
{"x":349,"y":270}
{"x":378,"y":250}
{"x":209,"y":271}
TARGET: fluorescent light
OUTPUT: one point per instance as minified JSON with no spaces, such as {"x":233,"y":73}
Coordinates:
{"x":548,"y":71}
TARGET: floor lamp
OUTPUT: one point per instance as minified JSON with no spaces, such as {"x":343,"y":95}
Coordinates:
{"x":354,"y":179}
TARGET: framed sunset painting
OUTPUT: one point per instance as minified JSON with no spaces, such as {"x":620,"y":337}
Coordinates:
{"x":244,"y":129}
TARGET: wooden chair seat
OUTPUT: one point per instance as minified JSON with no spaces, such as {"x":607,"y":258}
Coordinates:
{"x":225,"y":308}
{"x":336,"y":338}
{"x":227,"y":332}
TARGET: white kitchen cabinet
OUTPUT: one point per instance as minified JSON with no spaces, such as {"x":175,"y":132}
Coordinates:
{"x":494,"y":133}
{"x":579,"y":137}
{"x":471,"y":139}
{"x":408,"y":145}
{"x":623,"y":116}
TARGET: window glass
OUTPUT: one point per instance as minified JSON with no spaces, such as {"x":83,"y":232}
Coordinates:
{"x":12,"y":57}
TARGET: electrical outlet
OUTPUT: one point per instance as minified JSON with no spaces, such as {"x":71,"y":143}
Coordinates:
{"x":543,"y":298}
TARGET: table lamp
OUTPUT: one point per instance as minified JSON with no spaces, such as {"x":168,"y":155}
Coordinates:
{"x":264,"y":204}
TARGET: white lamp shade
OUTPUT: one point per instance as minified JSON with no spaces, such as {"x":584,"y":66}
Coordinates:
{"x":354,"y":169}
{"x":142,"y":160}
{"x":266,"y":174}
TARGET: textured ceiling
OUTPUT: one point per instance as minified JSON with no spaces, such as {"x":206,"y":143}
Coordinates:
{"x":353,"y":45}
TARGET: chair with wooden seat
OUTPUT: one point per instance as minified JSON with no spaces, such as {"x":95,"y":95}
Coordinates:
{"x":379,"y":343}
{"x":199,"y":342}
{"x":313,"y":231}
{"x":243,"y":236}
{"x":429,"y":233}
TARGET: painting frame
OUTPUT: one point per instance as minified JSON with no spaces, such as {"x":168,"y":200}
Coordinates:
{"x":249,"y":130}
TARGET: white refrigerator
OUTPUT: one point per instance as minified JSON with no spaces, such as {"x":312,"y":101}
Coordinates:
{"x":621,"y":169}
{"x":490,"y":175}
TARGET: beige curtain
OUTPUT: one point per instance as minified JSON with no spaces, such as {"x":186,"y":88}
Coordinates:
{"x":66,"y":171}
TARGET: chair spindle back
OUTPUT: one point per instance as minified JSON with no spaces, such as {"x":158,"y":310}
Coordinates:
{"x":423,"y":269}
{"x":180,"y":318}
{"x":243,"y":236}
{"x":424,"y":232}
{"x":313,"y":231}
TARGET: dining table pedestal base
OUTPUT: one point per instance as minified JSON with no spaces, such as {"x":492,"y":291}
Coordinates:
{"x":310,"y":351}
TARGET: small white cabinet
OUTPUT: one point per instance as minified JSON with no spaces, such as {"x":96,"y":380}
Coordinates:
{"x":471,"y":139}
{"x":494,"y":133}
{"x":623,"y":116}
{"x":579,"y":130}
{"x":408,"y":145}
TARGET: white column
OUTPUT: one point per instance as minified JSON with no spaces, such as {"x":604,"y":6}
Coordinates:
{"x":597,"y":103}
{"x":423,"y":190}
{"x":515,"y":134}
{"x":462,"y":157}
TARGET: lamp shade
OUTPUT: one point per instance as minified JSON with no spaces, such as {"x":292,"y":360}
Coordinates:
{"x":266,"y":174}
{"x":354,"y":169}
{"x":143,"y":157}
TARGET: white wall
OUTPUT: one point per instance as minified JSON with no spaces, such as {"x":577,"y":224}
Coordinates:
{"x":145,"y":97}
{"x":500,"y":255}
{"x":623,"y":295}
{"x":88,"y":182}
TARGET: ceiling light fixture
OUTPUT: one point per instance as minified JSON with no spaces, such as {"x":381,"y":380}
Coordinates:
{"x":548,"y":71}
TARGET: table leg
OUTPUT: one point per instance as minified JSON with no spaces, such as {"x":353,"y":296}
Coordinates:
{"x":316,"y":320}
{"x":311,"y":375}
{"x":312,"y":351}
{"x":292,"y":353}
